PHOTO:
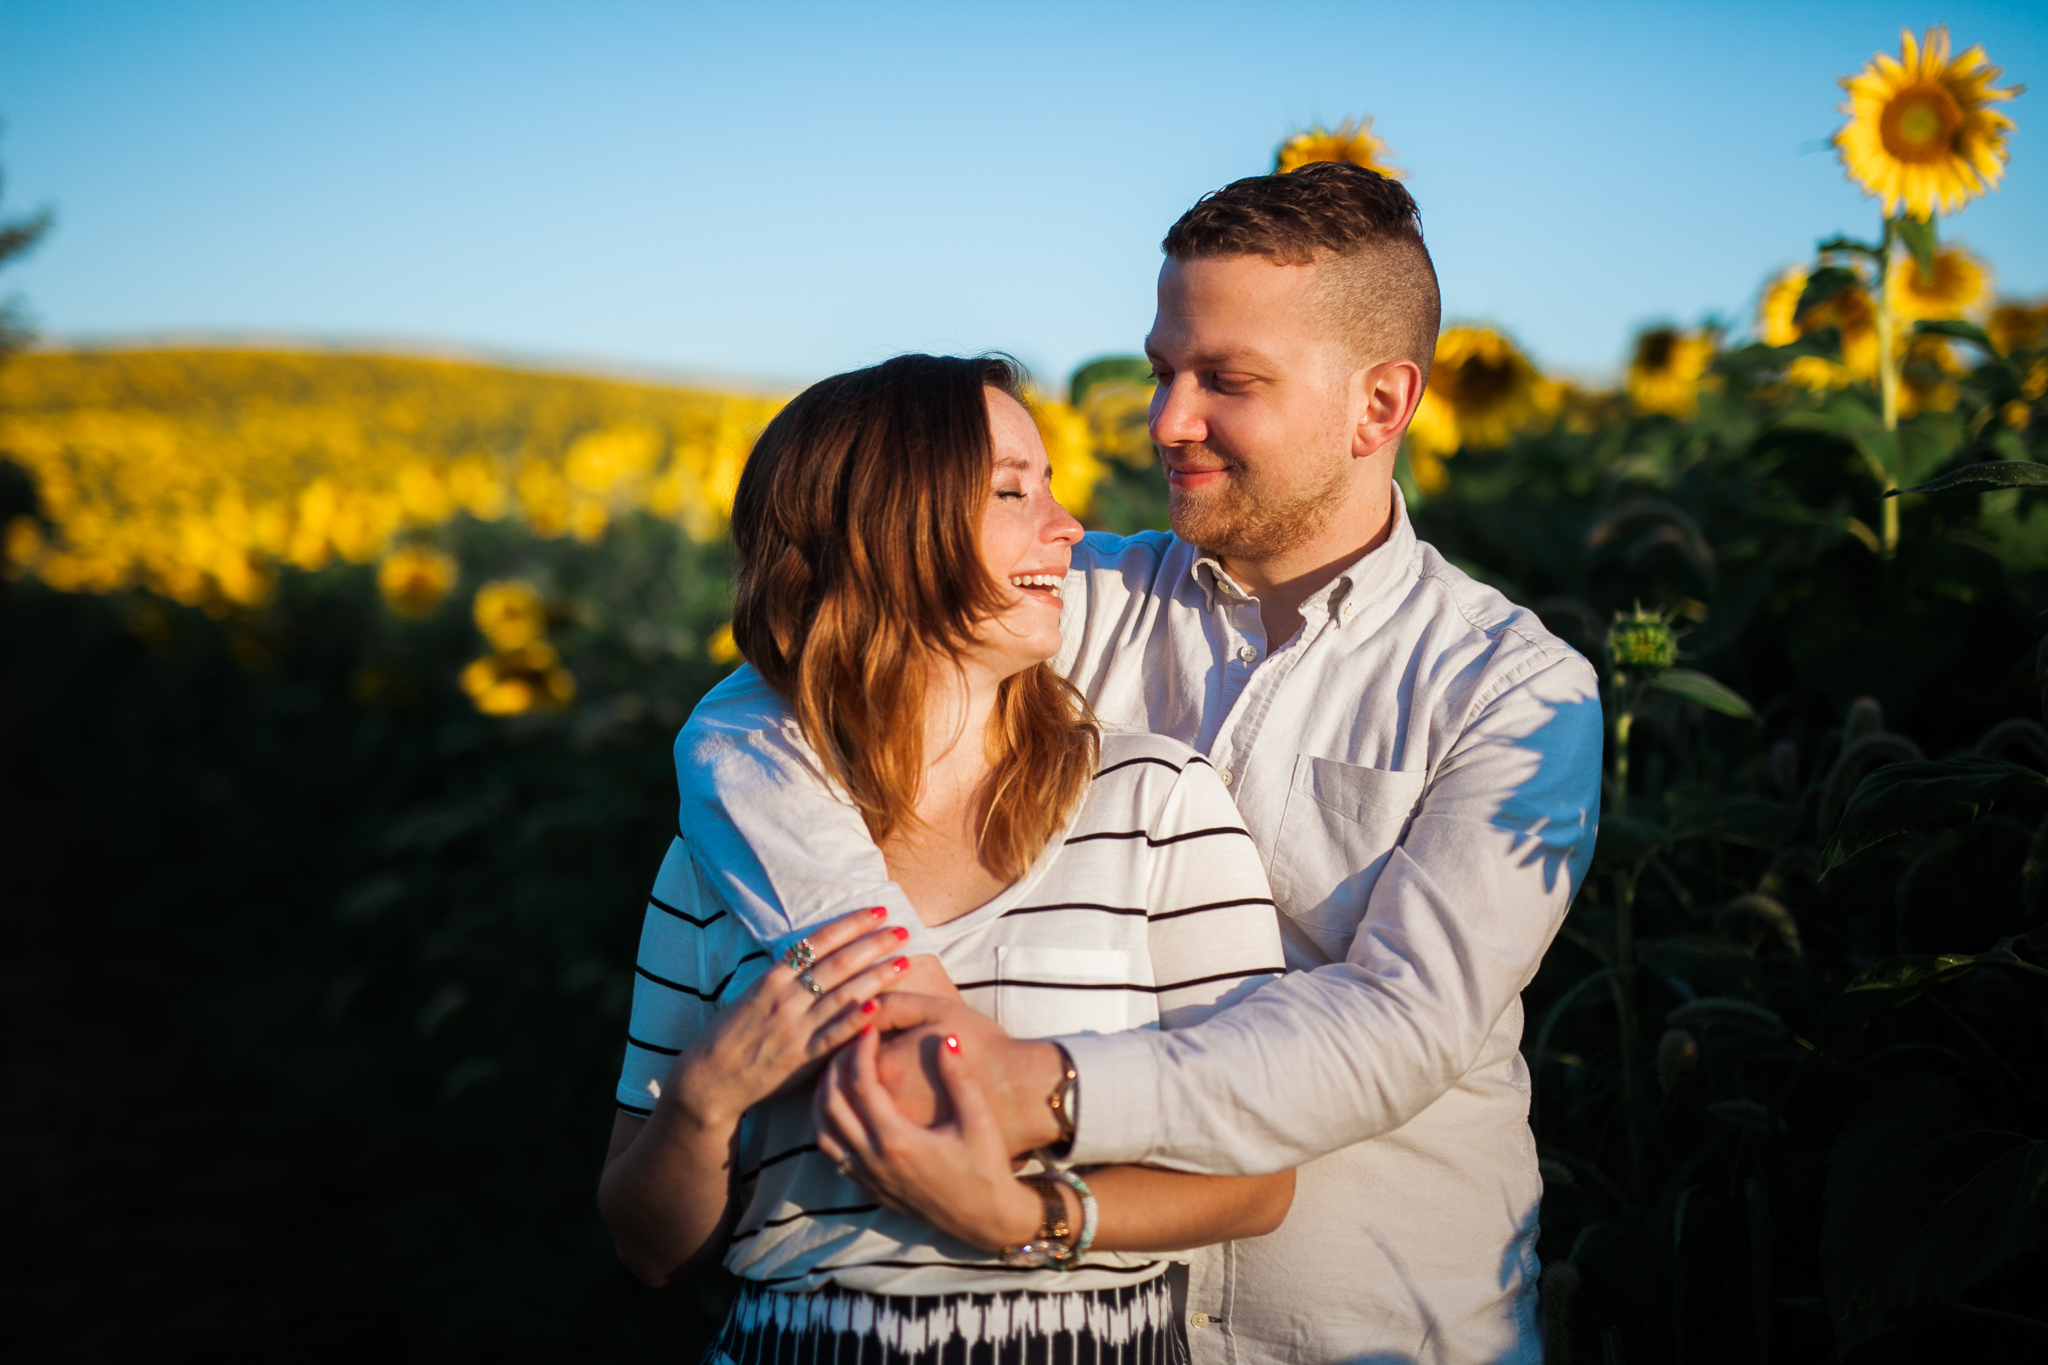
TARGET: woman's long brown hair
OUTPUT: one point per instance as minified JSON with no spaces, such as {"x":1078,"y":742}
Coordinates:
{"x":858,"y":527}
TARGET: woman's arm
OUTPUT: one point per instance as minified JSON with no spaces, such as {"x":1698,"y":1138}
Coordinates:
{"x":667,"y":1192}
{"x":957,"y":1175}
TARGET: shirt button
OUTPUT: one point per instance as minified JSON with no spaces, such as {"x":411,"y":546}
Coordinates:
{"x":1227,"y":776}
{"x":1247,"y":653}
{"x":1350,"y":610}
{"x":1198,"y":1320}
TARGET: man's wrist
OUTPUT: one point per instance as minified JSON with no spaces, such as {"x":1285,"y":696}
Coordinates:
{"x":1031,"y":1071}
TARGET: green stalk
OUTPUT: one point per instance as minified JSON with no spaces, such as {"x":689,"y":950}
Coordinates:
{"x":1888,"y":383}
{"x":1621,"y":980}
{"x":1624,"y":721}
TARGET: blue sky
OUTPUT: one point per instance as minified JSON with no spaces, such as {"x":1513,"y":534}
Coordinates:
{"x":776,"y":191}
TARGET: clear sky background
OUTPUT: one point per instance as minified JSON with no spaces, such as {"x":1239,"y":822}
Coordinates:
{"x":778,"y":190}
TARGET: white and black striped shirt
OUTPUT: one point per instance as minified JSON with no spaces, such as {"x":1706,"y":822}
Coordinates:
{"x":1151,"y":909}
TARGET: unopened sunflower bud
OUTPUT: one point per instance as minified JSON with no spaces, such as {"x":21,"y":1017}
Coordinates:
{"x":1641,"y":640}
{"x":1677,"y":1053}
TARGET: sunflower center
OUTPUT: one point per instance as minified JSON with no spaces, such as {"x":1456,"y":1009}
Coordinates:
{"x":1920,"y":123}
{"x":1653,"y":353}
{"x":1480,"y":383}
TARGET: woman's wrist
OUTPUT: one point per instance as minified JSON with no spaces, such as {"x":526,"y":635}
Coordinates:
{"x":1017,"y":1217}
{"x":699,"y":1101}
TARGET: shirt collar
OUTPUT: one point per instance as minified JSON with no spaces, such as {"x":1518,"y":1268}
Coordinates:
{"x":1364,"y":579}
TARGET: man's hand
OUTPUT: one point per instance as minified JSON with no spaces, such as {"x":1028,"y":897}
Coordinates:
{"x":1017,"y":1076}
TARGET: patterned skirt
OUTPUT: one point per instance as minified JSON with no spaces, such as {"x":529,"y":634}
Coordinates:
{"x":1131,"y":1324}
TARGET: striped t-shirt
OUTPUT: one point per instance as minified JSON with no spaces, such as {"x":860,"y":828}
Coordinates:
{"x":1150,"y":910}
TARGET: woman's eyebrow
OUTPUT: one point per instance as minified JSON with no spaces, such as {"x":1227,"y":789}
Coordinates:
{"x":1017,"y":462}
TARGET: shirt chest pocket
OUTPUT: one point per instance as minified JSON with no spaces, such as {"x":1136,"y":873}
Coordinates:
{"x":1048,"y":992}
{"x":1339,"y":827}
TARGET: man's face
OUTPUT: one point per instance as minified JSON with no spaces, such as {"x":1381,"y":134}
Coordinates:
{"x":1251,"y":415}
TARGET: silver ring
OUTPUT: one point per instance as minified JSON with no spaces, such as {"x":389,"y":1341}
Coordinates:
{"x":845,"y":1168}
{"x":810,"y":983}
{"x":799,"y":955}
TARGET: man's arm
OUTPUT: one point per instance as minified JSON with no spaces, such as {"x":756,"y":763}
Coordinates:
{"x":1456,"y":927}
{"x":1319,"y":1060}
{"x":746,"y":781}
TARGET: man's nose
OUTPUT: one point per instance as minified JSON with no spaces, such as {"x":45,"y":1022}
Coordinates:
{"x":1176,"y":419}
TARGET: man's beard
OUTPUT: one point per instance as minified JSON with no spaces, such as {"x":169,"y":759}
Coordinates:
{"x":1238,"y":522}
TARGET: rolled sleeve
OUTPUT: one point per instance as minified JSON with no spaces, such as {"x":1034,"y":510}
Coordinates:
{"x":1456,"y":924}
{"x":780,"y":845}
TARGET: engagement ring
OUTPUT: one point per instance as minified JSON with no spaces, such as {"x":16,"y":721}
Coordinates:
{"x":799,"y":955}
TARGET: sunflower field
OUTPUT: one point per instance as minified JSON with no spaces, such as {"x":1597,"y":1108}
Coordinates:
{"x":336,"y":696}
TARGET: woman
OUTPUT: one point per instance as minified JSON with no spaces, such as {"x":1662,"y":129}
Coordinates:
{"x":901,"y":558}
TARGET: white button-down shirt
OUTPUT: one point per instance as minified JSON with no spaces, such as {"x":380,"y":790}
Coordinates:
{"x":1419,"y":767}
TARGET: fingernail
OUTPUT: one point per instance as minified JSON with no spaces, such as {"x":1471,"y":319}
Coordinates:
{"x":901,"y":964}
{"x":866,"y":1029}
{"x":869,"y":1008}
{"x":878,"y":912}
{"x":952,"y":1043}
{"x":901,"y":933}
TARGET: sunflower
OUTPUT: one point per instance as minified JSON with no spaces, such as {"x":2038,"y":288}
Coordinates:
{"x":1119,"y":414}
{"x":513,"y":682}
{"x":1927,"y":379}
{"x":510,"y":614}
{"x":1850,"y":312}
{"x":1490,"y":388}
{"x":414,"y":581}
{"x":1352,"y":140}
{"x":1432,"y":439}
{"x":1665,"y":372}
{"x":1957,"y":287}
{"x":1921,"y":130}
{"x":2016,"y":326}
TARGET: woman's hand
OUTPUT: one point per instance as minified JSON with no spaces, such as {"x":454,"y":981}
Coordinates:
{"x":783,"y":1027}
{"x":956,"y":1176}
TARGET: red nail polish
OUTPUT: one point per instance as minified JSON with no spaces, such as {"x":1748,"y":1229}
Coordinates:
{"x":902,"y":934}
{"x":952,"y":1043}
{"x":869,"y":1008}
{"x":878,"y":912}
{"x":901,"y":964}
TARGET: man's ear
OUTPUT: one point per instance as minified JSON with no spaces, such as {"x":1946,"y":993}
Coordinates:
{"x":1385,"y":397}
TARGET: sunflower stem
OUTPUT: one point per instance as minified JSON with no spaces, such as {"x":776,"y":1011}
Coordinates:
{"x":1888,"y":380}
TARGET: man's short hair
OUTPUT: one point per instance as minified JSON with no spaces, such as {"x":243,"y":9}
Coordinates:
{"x":1376,"y":287}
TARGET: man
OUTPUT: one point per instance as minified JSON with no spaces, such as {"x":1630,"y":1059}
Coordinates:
{"x":1417,"y":759}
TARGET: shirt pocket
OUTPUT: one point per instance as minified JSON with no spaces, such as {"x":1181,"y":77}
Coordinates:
{"x":1340,"y":825}
{"x":1050,"y":992}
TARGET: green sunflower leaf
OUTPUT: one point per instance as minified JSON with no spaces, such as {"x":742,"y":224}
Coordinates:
{"x":1922,"y":796}
{"x":1924,"y":1199}
{"x":1920,"y":238}
{"x":1698,"y":687}
{"x":1957,"y":328}
{"x":1974,"y":478}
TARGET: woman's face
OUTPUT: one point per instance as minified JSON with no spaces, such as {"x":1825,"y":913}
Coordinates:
{"x":1026,"y":542}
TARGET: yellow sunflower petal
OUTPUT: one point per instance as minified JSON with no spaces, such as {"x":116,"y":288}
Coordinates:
{"x":1921,"y":132}
{"x":1352,"y":140}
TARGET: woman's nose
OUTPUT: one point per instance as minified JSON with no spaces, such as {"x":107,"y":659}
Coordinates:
{"x":1061,"y":528}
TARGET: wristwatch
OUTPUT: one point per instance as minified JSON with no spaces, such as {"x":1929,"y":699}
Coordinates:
{"x":1065,"y":1103}
{"x":1050,"y":1247}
